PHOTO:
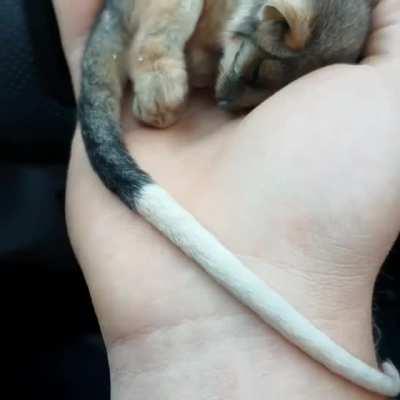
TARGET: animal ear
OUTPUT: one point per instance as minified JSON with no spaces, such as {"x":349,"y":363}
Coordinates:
{"x":296,"y":14}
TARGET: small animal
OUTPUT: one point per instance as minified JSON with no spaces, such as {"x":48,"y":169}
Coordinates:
{"x":246,"y":50}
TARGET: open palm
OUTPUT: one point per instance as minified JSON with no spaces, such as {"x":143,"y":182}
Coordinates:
{"x":305,"y":189}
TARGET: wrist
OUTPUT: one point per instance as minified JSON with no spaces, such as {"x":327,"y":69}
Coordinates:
{"x":227,"y":352}
{"x":232,"y":357}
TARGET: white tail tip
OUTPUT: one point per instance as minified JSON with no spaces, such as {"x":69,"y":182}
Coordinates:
{"x":391,"y":371}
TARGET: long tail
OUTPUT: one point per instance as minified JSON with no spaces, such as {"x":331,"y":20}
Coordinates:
{"x":100,"y":115}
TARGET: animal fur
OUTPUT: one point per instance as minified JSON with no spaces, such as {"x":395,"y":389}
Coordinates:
{"x":246,"y":49}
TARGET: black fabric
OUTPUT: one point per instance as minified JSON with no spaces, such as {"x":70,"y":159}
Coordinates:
{"x":51,"y":347}
{"x":386,"y":308}
{"x":37,"y":111}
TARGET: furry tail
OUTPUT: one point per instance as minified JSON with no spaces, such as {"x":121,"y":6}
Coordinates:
{"x":100,"y":115}
{"x":100,"y":108}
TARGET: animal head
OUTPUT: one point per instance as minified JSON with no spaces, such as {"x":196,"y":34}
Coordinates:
{"x":269,"y":43}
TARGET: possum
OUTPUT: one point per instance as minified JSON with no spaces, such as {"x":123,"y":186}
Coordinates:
{"x":245,"y":50}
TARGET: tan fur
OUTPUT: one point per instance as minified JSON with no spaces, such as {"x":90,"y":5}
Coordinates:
{"x":299,"y":15}
{"x":177,"y":44}
{"x":160,"y":66}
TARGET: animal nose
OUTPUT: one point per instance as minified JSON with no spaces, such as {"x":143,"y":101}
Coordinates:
{"x":228,"y":91}
{"x":227,"y":96}
{"x":224,"y":103}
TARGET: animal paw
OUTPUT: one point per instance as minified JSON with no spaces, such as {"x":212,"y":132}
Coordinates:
{"x":160,"y":96}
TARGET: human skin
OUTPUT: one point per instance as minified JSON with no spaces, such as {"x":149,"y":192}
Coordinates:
{"x":305,"y":190}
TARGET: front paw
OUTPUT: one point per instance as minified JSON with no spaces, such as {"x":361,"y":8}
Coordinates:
{"x":160,"y":97}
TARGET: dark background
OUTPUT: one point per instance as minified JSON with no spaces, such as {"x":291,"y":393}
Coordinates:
{"x":51,"y":346}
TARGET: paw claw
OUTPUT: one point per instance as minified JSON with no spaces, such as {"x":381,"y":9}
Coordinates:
{"x":160,"y":97}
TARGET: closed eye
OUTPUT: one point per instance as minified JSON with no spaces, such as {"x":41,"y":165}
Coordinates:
{"x":240,"y":34}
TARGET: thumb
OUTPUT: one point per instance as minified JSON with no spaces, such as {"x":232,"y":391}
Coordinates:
{"x":75,"y":19}
{"x":383,"y":46}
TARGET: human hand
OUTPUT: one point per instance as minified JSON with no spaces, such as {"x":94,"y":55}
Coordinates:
{"x":307,"y":184}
